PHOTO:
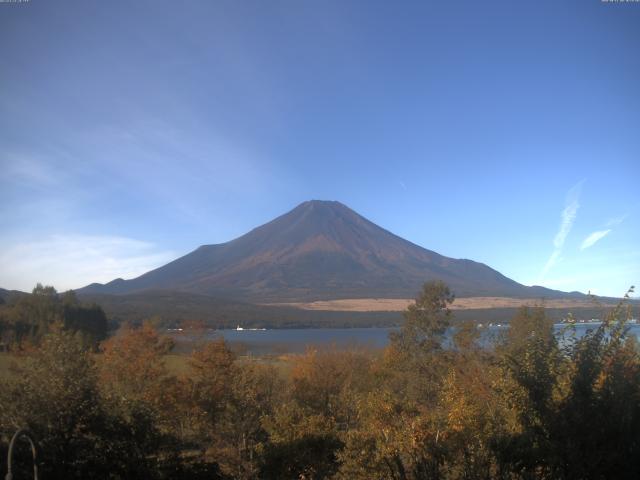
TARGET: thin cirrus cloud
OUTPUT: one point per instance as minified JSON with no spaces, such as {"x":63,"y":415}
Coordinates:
{"x":593,"y":238}
{"x":27,"y":170}
{"x":73,"y":261}
{"x":568,"y":217}
{"x":612,"y":222}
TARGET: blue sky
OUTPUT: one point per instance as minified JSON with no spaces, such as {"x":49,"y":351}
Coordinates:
{"x":505,"y":132}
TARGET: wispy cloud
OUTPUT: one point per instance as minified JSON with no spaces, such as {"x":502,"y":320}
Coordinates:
{"x":593,"y":238}
{"x":553,"y":259}
{"x":72,"y":261}
{"x":28,"y":170}
{"x":568,"y":217}
{"x":612,"y":222}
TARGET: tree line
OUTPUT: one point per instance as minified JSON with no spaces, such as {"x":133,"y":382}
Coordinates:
{"x":28,"y":318}
{"x":530,"y":406}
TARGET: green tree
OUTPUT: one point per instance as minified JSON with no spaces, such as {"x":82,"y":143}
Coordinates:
{"x":426,"y":320}
{"x":29,"y":317}
{"x":596,"y":429}
{"x":577,"y":405}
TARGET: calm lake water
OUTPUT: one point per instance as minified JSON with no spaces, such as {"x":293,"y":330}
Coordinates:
{"x":292,"y":340}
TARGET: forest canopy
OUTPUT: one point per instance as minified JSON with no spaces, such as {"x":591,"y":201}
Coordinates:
{"x":28,"y":318}
{"x":534,"y":405}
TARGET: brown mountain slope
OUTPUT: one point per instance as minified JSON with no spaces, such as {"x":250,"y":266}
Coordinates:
{"x":320,"y":250}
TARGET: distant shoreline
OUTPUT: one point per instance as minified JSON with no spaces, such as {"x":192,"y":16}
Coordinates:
{"x":464,"y":303}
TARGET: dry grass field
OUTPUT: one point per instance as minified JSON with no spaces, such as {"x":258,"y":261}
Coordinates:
{"x":399,"y":304}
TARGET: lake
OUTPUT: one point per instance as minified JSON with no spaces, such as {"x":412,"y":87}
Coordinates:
{"x":298,"y":340}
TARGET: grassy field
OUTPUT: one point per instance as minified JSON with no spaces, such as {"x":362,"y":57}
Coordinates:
{"x":179,"y":364}
{"x":464,"y":303}
{"x":176,"y":364}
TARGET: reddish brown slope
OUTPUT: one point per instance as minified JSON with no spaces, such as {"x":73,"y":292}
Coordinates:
{"x":320,"y":250}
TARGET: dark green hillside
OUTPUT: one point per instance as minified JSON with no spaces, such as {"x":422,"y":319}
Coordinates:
{"x":173,"y":308}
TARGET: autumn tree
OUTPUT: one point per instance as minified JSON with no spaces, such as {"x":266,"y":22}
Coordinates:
{"x":210,"y":378}
{"x":132,"y":364}
{"x":135,"y":385}
{"x":240,"y":436}
{"x":398,"y":421}
{"x":230,"y":399}
{"x":55,"y":394}
{"x":306,"y":430}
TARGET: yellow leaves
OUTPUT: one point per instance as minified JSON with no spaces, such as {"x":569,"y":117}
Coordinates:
{"x":290,"y":422}
{"x":327,"y":381}
{"x":461,"y":412}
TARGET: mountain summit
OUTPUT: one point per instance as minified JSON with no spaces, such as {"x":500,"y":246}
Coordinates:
{"x":320,"y":250}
